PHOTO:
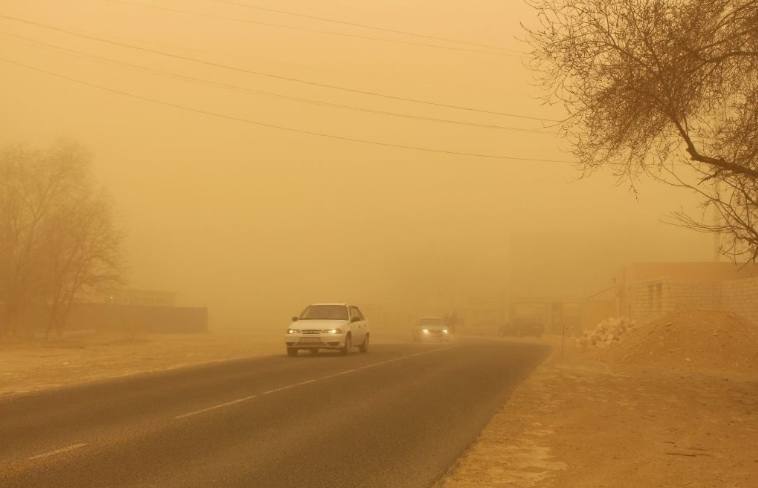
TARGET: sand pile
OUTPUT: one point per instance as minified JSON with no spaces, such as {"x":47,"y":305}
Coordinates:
{"x":694,"y":340}
{"x":606,"y":333}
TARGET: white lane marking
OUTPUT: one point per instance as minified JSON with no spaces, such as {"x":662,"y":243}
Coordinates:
{"x":214,"y":407}
{"x":268,"y":392}
{"x":62,"y":450}
{"x":313,"y":380}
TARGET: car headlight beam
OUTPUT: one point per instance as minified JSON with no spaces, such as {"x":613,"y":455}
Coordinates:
{"x":331,"y":331}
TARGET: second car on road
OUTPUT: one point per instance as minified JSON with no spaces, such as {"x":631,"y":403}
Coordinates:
{"x":432,"y":329}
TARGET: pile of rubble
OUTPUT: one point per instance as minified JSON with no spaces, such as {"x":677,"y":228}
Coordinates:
{"x":694,"y":340}
{"x":697,"y":340}
{"x":607,"y":332}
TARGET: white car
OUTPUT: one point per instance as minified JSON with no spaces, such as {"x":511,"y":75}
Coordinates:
{"x":336,"y":326}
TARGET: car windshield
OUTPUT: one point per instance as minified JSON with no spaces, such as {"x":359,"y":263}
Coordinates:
{"x":431,"y":322}
{"x":324,"y":312}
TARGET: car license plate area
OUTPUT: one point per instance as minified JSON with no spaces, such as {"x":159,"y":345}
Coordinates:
{"x":310,"y":340}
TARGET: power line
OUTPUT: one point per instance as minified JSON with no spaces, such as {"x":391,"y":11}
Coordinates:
{"x":356,"y":24}
{"x":311,"y":101}
{"x":270,"y":75}
{"x":268,"y":125}
{"x":305,"y":29}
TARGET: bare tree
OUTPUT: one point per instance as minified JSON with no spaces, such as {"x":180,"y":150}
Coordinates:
{"x":81,"y":254}
{"x":57,"y":236}
{"x":667,"y":88}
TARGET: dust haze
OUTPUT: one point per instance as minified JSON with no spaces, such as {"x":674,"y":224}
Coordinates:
{"x":398,"y":243}
{"x":254,"y":222}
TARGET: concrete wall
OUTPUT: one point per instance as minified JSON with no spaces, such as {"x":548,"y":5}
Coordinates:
{"x":648,"y":300}
{"x":741,"y":298}
{"x":693,"y":296}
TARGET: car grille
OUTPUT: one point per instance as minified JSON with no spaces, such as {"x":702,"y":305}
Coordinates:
{"x":310,"y":340}
{"x":311,"y":331}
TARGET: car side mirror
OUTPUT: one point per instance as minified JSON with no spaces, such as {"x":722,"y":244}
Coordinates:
{"x":294,"y":319}
{"x":354,"y":319}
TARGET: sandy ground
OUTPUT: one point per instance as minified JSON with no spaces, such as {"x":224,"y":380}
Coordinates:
{"x":26,"y":366}
{"x":583,"y":423}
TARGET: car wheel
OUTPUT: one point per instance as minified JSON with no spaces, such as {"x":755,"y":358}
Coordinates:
{"x":348,"y":345}
{"x":364,"y":346}
{"x":291,"y":351}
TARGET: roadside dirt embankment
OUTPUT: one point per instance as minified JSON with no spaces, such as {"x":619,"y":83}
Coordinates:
{"x":673,"y":403}
{"x":700,"y":340}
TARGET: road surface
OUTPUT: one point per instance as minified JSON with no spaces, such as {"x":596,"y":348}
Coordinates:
{"x":396,"y":417}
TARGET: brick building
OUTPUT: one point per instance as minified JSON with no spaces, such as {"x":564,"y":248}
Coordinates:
{"x":645,"y":291}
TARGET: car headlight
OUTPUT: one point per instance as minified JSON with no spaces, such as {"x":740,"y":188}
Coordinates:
{"x":331,"y":331}
{"x":444,"y":331}
{"x":293,"y":331}
{"x":425,"y":331}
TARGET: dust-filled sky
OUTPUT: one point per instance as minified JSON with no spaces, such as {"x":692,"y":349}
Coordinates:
{"x":255,"y":221}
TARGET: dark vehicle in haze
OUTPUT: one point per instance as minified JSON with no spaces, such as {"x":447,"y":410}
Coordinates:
{"x":522,"y":327}
{"x":432,"y":329}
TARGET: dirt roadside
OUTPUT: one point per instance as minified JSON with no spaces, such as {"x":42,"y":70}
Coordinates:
{"x":26,"y":367}
{"x":582,"y":423}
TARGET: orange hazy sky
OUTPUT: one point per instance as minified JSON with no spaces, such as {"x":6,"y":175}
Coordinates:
{"x":254,"y":221}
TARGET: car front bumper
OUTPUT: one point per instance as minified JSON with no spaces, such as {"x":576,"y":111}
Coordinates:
{"x":315,"y":341}
{"x":432,"y":337}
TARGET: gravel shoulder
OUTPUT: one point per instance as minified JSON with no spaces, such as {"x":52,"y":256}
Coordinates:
{"x":578,"y":422}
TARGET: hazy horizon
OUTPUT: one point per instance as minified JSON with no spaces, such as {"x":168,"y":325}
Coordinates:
{"x":256,"y":222}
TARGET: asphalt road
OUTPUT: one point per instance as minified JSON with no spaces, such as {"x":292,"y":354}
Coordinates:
{"x":398,"y":416}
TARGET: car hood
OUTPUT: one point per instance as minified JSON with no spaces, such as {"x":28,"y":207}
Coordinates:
{"x":318,"y":324}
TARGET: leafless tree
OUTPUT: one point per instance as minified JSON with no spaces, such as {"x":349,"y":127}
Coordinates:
{"x":81,"y":254}
{"x":57,"y":235}
{"x":667,"y":88}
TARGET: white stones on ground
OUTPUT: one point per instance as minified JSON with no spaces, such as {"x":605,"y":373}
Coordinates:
{"x":607,"y":332}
